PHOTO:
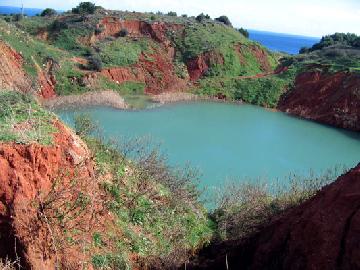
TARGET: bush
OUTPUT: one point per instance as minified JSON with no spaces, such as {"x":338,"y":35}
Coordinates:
{"x":172,"y":13}
{"x":95,"y":63}
{"x":303,"y":50}
{"x":85,"y":8}
{"x":84,"y":125}
{"x":202,"y":17}
{"x":224,"y":19}
{"x":244,"y":32}
{"x":123,"y":32}
{"x":17,"y":17}
{"x":58,"y":26}
{"x":48,"y":12}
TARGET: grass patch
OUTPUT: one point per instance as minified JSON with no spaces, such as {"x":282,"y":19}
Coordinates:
{"x":123,"y":51}
{"x":22,"y":120}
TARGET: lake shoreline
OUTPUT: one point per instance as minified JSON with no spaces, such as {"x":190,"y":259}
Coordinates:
{"x":114,"y":100}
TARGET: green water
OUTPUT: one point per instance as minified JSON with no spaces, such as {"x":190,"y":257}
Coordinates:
{"x":232,"y":141}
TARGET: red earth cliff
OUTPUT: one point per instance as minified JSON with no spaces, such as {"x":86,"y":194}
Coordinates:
{"x":12,"y":75}
{"x":332,"y":99}
{"x":28,"y":175}
{"x":322,"y":233}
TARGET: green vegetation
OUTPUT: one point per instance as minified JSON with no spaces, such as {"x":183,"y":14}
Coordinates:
{"x":244,"y":32}
{"x":242,"y":208}
{"x":85,"y":8}
{"x":337,"y":39}
{"x":200,"y":38}
{"x":123,"y":51}
{"x":224,"y":19}
{"x":156,"y":209}
{"x":22,"y":120}
{"x":48,"y":12}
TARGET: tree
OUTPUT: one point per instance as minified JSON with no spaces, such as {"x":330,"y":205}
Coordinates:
{"x":224,"y":19}
{"x":84,"y":125}
{"x":172,"y":13}
{"x":244,"y":32}
{"x":85,"y":8}
{"x":48,"y":12}
{"x":202,"y":17}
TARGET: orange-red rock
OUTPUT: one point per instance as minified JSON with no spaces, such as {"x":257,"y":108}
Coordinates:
{"x":332,"y":99}
{"x":322,"y":233}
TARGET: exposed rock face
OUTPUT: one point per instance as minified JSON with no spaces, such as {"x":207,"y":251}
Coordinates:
{"x":155,"y":70}
{"x":12,"y":75}
{"x":322,"y":233}
{"x":199,"y":65}
{"x":258,"y":52}
{"x":47,"y":78}
{"x":27,"y":173}
{"x":332,"y":99}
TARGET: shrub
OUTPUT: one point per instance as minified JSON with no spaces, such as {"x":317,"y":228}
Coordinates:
{"x":224,"y":19}
{"x":84,"y":125}
{"x":244,"y":32}
{"x":95,"y":63}
{"x":85,"y":8}
{"x":202,"y":17}
{"x":153,"y":17}
{"x":58,"y":25}
{"x":48,"y":12}
{"x":172,"y":13}
{"x":303,"y":50}
{"x":17,"y":17}
{"x":123,"y":32}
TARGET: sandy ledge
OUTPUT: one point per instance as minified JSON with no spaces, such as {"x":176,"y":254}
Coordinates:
{"x":99,"y":98}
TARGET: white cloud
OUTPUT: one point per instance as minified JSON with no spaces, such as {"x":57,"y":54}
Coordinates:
{"x":305,"y":17}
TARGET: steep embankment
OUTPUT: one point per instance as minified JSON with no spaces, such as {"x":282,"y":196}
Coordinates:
{"x":322,"y":233}
{"x":332,"y":99}
{"x":12,"y":75}
{"x":30,"y":177}
{"x":65,"y":204}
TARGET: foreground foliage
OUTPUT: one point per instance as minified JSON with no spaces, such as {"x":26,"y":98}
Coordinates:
{"x":23,"y":120}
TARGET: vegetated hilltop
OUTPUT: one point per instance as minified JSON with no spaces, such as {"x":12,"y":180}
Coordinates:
{"x":134,"y":53}
{"x":326,"y":87}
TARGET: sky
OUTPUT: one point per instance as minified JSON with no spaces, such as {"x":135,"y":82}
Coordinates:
{"x":302,"y":17}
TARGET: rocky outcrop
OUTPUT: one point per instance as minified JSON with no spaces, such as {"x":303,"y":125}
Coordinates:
{"x":332,"y":99}
{"x":155,"y":70}
{"x":28,"y":174}
{"x":322,"y":233}
{"x":47,"y":79}
{"x":199,"y":65}
{"x":12,"y":75}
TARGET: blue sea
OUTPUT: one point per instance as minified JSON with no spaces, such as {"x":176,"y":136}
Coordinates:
{"x":15,"y":10}
{"x":282,"y":42}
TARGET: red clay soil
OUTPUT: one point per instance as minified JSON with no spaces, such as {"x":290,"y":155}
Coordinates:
{"x":47,"y":79}
{"x":332,"y":99}
{"x":12,"y":75}
{"x":155,"y":70}
{"x":27,"y":173}
{"x":199,"y":65}
{"x":322,"y":233}
{"x":259,"y":53}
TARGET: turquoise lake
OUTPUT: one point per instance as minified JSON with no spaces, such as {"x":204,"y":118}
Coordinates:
{"x":226,"y":141}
